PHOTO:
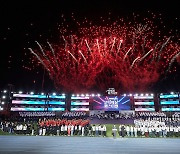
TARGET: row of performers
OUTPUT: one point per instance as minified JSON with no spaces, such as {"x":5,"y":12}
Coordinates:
{"x":59,"y":122}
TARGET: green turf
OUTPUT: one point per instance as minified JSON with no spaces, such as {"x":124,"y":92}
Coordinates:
{"x":4,"y":133}
{"x":109,"y":129}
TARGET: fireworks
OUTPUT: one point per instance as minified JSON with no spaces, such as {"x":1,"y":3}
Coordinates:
{"x":125,"y":55}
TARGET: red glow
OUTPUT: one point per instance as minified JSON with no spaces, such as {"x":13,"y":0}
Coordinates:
{"x":122,"y":55}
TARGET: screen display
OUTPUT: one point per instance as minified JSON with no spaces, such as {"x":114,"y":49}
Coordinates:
{"x":143,"y":97}
{"x":144,"y":109}
{"x":59,"y":97}
{"x":56,"y":109}
{"x":26,"y":109}
{"x":111,"y":103}
{"x":80,"y":109}
{"x":169,"y":96}
{"x":29,"y":96}
{"x":169,"y":102}
{"x":79,"y":97}
{"x":56,"y":102}
{"x":170,"y":109}
{"x":27,"y":102}
{"x":144,"y":103}
{"x":80,"y":103}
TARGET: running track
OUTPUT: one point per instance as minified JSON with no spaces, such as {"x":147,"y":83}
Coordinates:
{"x":86,"y":145}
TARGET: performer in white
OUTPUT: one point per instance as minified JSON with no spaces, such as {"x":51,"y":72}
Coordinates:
{"x":114,"y":131}
{"x":82,"y":130}
{"x":72,"y":130}
{"x":104,"y":131}
{"x":127,"y":130}
{"x":132,"y":131}
{"x":44,"y":131}
{"x":62,"y":130}
{"x":135,"y":131}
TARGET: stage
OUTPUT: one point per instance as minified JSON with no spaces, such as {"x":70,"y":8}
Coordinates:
{"x":86,"y":145}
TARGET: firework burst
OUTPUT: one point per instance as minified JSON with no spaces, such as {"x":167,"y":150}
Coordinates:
{"x":124,"y":55}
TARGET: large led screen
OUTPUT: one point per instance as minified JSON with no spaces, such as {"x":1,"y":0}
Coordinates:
{"x":111,"y":103}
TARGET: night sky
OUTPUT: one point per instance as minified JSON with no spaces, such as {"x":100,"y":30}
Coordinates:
{"x":23,"y":22}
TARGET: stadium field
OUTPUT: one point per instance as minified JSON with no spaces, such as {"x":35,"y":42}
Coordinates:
{"x":87,"y":145}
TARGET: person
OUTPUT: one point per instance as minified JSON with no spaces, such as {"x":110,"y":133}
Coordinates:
{"x":75,"y":129}
{"x":120,"y":132}
{"x":176,"y":131}
{"x":97,"y":129}
{"x":40,"y":131}
{"x":32,"y":131}
{"x":123,"y":130}
{"x":69,"y":129}
{"x":62,"y":130}
{"x":93,"y":130}
{"x":139,"y":131}
{"x":114,"y":131}
{"x":89,"y":130}
{"x":44,"y":131}
{"x":101,"y":128}
{"x":146,"y":131}
{"x":104,"y":131}
{"x":132,"y":131}
{"x":82,"y":130}
{"x":163,"y":131}
{"x":171,"y":131}
{"x":24,"y":129}
{"x":135,"y":131}
{"x":66,"y":129}
{"x":72,"y":130}
{"x":127,"y":130}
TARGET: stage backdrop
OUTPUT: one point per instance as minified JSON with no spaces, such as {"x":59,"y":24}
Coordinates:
{"x":111,"y":103}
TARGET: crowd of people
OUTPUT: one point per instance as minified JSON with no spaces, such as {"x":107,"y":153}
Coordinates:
{"x":47,"y":127}
{"x":146,"y":129}
{"x":125,"y":115}
{"x":146,"y":124}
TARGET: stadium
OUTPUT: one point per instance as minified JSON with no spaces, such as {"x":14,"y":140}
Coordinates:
{"x":123,"y":122}
{"x":89,"y":77}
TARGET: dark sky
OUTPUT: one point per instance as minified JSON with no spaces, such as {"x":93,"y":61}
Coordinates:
{"x":23,"y":22}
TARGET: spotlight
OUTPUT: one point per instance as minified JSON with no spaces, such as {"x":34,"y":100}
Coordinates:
{"x":42,"y":93}
{"x":2,"y":103}
{"x":54,"y":94}
{"x":31,"y":93}
{"x":20,"y":92}
{"x":3,"y":97}
{"x":5,"y":91}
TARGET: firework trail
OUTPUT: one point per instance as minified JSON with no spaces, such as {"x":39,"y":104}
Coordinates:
{"x":124,"y":55}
